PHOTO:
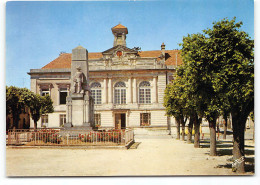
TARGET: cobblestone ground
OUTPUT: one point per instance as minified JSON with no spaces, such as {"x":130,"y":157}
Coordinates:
{"x":155,"y":155}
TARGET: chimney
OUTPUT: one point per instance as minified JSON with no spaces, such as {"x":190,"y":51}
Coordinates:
{"x":163,"y":49}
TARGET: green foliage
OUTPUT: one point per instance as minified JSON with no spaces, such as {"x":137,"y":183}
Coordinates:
{"x":17,"y":99}
{"x":218,"y":69}
{"x":47,"y":106}
{"x":234,"y":64}
{"x":40,"y":105}
{"x":198,"y":75}
{"x":217,"y":77}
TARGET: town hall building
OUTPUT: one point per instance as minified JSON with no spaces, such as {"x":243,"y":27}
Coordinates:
{"x":127,"y":85}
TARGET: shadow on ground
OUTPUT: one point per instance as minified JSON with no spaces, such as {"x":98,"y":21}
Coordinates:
{"x":249,"y":161}
{"x":135,"y":145}
{"x":249,"y":168}
{"x":222,"y":152}
{"x":218,"y":146}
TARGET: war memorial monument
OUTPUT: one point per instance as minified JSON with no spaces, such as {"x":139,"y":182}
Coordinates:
{"x":79,"y":104}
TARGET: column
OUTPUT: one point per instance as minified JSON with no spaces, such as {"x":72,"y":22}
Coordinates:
{"x":55,"y":95}
{"x":110,"y":90}
{"x":50,"y":86}
{"x":134,"y":91}
{"x":129,"y":93}
{"x":154,"y":94}
{"x":104,"y":92}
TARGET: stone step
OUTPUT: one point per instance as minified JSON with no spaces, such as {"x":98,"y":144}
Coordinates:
{"x":155,"y":132}
{"x":135,"y":145}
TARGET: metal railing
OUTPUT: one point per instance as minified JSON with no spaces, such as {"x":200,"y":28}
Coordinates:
{"x":47,"y":137}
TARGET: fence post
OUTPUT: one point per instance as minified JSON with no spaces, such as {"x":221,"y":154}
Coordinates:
{"x":113,"y":137}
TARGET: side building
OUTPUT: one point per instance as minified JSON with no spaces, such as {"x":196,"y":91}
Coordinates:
{"x":127,"y":84}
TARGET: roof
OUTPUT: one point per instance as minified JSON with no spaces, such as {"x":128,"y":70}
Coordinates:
{"x":170,"y":56}
{"x":124,"y":48}
{"x":64,"y":60}
{"x":120,"y":28}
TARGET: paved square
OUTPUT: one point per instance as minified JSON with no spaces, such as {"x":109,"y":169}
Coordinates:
{"x":156,"y":155}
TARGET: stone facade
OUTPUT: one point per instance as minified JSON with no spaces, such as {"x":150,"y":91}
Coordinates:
{"x":127,"y":84}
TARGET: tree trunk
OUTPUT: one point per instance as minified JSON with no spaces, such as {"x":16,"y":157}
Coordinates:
{"x":212,"y":127}
{"x":178,"y":128}
{"x":238,"y":124}
{"x":169,"y":125}
{"x":225,"y":128}
{"x":197,"y":132}
{"x":182,"y":130}
{"x":190,"y":127}
{"x":35,"y":125}
{"x":15,"y":121}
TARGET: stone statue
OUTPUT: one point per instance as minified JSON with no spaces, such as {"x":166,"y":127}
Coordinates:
{"x":78,"y":80}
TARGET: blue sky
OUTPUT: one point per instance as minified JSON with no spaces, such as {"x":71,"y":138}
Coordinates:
{"x":36,"y":32}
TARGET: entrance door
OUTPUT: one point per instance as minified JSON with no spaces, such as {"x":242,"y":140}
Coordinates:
{"x":120,"y":121}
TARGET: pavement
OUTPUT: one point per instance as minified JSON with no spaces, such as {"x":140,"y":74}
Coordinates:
{"x":155,"y":154}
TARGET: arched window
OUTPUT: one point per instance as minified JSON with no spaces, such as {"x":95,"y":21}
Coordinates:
{"x":96,"y":92}
{"x":144,"y":92}
{"x":120,"y":93}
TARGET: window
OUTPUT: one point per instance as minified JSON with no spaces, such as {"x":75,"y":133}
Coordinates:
{"x":145,"y":119}
{"x":96,"y":92}
{"x":45,"y":92}
{"x":63,"y":95}
{"x":62,"y":120}
{"x":120,"y":93}
{"x":44,"y":121}
{"x":144,"y":92}
{"x":97,"y":119}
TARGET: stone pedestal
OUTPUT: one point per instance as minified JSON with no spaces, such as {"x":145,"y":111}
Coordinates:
{"x":80,"y":104}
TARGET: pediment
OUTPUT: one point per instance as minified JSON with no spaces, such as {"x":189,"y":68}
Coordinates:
{"x":119,"y":48}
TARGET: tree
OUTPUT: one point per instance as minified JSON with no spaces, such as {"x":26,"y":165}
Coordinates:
{"x":178,"y":104}
{"x":173,"y":103}
{"x":15,"y":103}
{"x":219,"y":71}
{"x":225,"y":114}
{"x":233,"y":52}
{"x":198,"y":68}
{"x":19,"y":98}
{"x":38,"y":106}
